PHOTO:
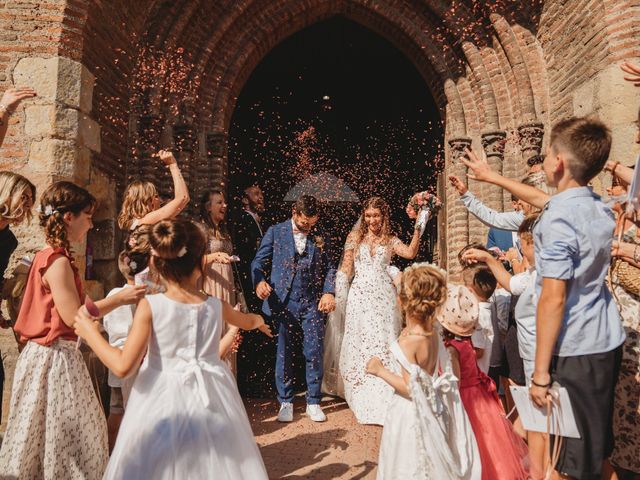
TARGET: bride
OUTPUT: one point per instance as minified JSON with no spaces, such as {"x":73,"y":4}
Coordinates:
{"x":373,"y":319}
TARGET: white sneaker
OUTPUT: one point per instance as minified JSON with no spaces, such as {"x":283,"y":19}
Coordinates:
{"x":286,"y":412}
{"x":315,"y":413}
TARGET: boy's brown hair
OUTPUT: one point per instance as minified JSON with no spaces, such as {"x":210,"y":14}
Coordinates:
{"x":480,"y":280}
{"x":587,"y":143}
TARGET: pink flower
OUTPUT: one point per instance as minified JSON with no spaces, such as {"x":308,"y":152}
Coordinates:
{"x":411,"y":212}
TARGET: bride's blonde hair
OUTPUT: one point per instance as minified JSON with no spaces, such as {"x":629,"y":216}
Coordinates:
{"x":380,"y":204}
{"x":423,"y":290}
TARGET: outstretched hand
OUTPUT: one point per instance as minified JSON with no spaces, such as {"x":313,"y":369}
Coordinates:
{"x":458,"y":184}
{"x":263,"y":327}
{"x":13,"y":96}
{"x":633,"y":73}
{"x":131,"y":295}
{"x":478,"y":165}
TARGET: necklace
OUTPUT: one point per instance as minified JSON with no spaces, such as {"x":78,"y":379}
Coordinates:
{"x":418,"y":334}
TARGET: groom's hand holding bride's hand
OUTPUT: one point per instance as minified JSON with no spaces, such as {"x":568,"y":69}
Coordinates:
{"x":327,"y":303}
{"x":263,"y":290}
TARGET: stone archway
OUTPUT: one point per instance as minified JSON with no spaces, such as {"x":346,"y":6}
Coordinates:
{"x":502,"y":73}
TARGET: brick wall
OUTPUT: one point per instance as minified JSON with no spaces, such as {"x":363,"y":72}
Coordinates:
{"x":493,"y":67}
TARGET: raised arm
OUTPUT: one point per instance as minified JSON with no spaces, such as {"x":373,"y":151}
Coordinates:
{"x":408,"y":251}
{"x":502,"y":275}
{"x":180,"y":193}
{"x":483,"y":173}
{"x":503,"y":220}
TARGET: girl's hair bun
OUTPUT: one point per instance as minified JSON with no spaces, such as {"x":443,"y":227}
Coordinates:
{"x":177,"y":247}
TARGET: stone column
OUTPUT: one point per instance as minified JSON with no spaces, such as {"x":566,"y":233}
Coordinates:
{"x":62,"y":136}
{"x":493,"y":143}
{"x":457,"y":217}
{"x":530,"y":136}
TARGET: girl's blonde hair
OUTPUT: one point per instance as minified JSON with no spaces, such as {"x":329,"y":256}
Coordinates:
{"x":137,"y":202}
{"x":423,"y":290}
{"x":12,"y":190}
{"x":58,"y":199}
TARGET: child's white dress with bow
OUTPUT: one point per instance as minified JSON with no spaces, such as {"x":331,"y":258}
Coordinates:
{"x":429,"y":436}
{"x":185,"y":418}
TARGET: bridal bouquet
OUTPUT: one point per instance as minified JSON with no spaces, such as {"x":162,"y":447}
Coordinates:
{"x":423,"y":201}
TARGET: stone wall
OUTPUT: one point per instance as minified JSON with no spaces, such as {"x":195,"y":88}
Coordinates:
{"x":501,"y":72}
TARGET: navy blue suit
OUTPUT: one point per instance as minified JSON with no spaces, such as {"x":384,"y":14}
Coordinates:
{"x":298,"y":282}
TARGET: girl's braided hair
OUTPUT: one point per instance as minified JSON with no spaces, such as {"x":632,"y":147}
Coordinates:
{"x":58,"y":199}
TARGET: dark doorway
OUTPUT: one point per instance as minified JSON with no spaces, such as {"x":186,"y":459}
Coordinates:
{"x":337,"y":97}
{"x":379,"y":129}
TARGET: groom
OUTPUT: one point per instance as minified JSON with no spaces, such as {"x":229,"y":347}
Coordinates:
{"x":292,"y":274}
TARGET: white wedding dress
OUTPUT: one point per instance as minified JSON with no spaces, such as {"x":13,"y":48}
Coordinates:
{"x":373,"y":321}
{"x":185,"y":418}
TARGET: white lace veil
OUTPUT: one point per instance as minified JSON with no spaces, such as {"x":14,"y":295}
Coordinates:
{"x":332,"y":380}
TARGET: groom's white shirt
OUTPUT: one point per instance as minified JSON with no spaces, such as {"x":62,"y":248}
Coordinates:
{"x":299,"y":238}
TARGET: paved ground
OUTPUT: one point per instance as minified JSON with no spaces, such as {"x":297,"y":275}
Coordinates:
{"x":337,"y":449}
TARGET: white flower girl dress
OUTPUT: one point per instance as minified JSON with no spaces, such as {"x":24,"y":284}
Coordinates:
{"x":185,"y":418}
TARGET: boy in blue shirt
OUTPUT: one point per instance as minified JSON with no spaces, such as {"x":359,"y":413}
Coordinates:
{"x":579,"y":331}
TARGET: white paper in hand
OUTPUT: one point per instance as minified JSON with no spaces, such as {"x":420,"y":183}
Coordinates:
{"x":534,"y":418}
{"x":633,"y":200}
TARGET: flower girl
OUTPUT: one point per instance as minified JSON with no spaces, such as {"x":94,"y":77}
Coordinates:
{"x":503,"y":454}
{"x":426,"y":399}
{"x":184,"y":418}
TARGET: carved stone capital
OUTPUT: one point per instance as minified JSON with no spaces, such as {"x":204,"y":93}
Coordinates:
{"x":458,"y":145}
{"x":493,"y":144}
{"x":530,"y":136}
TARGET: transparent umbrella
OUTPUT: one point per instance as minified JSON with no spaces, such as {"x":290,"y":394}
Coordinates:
{"x":327,"y":188}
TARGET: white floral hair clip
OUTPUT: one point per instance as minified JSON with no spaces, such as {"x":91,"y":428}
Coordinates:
{"x":133,"y":265}
{"x":427,"y":265}
{"x":182,"y":252}
{"x":48,"y":210}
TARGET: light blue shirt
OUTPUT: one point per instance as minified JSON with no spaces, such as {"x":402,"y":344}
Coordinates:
{"x":523,"y":285}
{"x":503,"y":220}
{"x":572,"y":240}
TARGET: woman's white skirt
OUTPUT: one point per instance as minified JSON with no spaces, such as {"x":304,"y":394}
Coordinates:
{"x":56,"y":427}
